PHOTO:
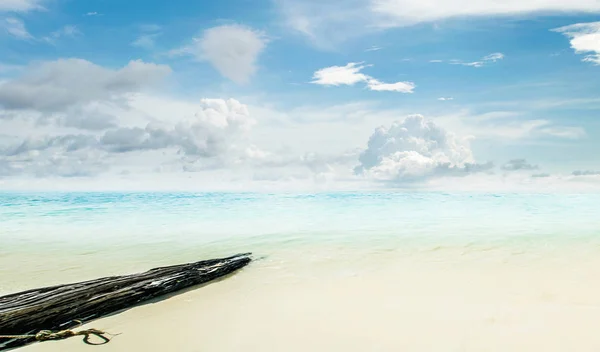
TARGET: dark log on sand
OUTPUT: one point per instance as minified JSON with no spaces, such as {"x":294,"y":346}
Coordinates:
{"x":59,"y":307}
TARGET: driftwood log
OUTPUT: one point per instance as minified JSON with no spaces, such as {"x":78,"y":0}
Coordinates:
{"x":59,"y":307}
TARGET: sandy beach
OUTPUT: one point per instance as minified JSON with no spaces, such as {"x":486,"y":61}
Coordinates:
{"x":445,"y":299}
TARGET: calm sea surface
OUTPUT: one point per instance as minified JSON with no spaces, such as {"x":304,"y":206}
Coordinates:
{"x":72,"y":233}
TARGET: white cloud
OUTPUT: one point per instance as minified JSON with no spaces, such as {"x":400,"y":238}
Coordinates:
{"x":145,"y":41}
{"x":350,"y":75}
{"x":408,"y":12}
{"x":586,"y":173}
{"x":374,"y":48}
{"x":567,"y":132}
{"x":401,"y":87}
{"x":518,"y":165}
{"x":212,"y":132}
{"x":212,"y":137}
{"x":413,"y":150}
{"x":494,"y":57}
{"x":485,"y":60}
{"x":328,"y":23}
{"x":57,"y":85}
{"x":92,"y":13}
{"x":542,"y":175}
{"x":20,"y":5}
{"x":69,"y":31}
{"x":585,"y":39}
{"x":9,"y":68}
{"x":508,"y":125}
{"x":150,"y":27}
{"x":232,"y":49}
{"x":340,"y":75}
{"x":155,"y":142}
{"x":445,"y":98}
{"x":16,"y":28}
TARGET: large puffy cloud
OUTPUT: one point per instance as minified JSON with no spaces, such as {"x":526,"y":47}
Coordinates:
{"x":415,"y":149}
{"x":215,"y":130}
{"x":585,"y":39}
{"x":214,"y":137}
{"x":57,"y":85}
{"x":232,"y":49}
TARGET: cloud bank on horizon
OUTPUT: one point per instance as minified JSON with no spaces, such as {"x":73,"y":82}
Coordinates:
{"x":395,"y":96}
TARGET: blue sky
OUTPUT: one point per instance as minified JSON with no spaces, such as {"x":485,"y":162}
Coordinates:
{"x":311,"y":82}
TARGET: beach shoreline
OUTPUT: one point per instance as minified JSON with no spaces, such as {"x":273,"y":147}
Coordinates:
{"x":441,"y":300}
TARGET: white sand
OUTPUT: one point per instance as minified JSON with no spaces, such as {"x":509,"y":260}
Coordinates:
{"x":444,"y":300}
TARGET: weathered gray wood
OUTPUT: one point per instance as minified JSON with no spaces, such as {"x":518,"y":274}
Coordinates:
{"x":56,"y":307}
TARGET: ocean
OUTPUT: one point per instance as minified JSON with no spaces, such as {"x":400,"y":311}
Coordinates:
{"x":376,"y":257}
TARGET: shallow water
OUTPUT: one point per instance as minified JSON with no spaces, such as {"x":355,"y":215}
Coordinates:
{"x":75,"y":235}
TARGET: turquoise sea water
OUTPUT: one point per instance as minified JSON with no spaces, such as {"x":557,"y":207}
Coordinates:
{"x":131,"y":231}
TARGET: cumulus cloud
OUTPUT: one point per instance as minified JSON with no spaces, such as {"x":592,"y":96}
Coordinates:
{"x":232,"y":49}
{"x":16,"y":28}
{"x":214,"y":137}
{"x":585,"y":39}
{"x":20,"y":5}
{"x":415,"y":149}
{"x":350,"y":74}
{"x":445,"y":98}
{"x":56,"y":85}
{"x":213,"y":131}
{"x":519,"y":164}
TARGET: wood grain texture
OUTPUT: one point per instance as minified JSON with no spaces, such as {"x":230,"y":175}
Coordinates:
{"x":56,"y":307}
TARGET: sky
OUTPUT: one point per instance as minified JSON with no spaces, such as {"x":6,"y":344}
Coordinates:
{"x":300,"y":94}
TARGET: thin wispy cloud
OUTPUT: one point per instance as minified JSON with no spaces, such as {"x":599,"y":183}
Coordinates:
{"x":586,"y":173}
{"x":328,"y":23}
{"x":374,"y":48}
{"x":147,"y":39}
{"x":69,"y":31}
{"x":491,"y":58}
{"x":16,"y":28}
{"x":20,"y":5}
